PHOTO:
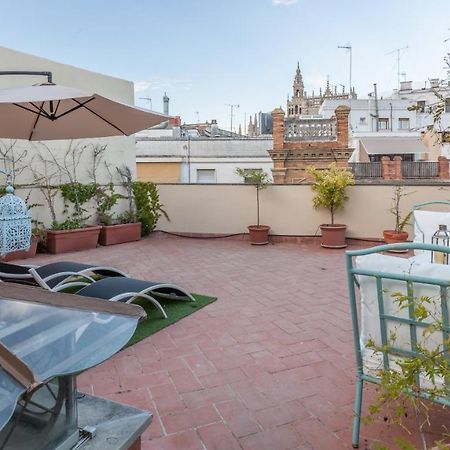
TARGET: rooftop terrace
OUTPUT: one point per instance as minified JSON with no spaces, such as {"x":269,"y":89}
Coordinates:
{"x":269,"y":365}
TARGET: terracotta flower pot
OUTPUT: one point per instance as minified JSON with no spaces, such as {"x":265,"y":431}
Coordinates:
{"x":394,"y":237}
{"x":333,"y":235}
{"x":23,"y":254}
{"x":258,"y":234}
{"x":119,"y":234}
{"x":62,"y":241}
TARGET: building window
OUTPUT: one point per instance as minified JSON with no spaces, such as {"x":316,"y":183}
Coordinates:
{"x":403,"y":124}
{"x":383,"y":124}
{"x":421,"y":106}
{"x":206,"y":175}
{"x":362,"y":121}
{"x":447,"y":105}
{"x":296,"y":109}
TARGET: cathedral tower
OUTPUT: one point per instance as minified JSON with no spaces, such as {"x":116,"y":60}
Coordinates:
{"x":298,"y":86}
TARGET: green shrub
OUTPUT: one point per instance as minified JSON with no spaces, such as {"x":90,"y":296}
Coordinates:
{"x":148,"y":206}
{"x":75,"y":195}
{"x":106,"y":198}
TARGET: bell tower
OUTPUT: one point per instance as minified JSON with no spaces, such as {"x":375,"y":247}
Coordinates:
{"x":298,"y":86}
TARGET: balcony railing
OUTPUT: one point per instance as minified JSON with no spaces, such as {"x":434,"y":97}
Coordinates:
{"x":420,"y":169}
{"x":366,"y":169}
{"x":410,"y":169}
{"x":310,"y":129}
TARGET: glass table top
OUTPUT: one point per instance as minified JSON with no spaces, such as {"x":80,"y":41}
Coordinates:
{"x":56,"y":341}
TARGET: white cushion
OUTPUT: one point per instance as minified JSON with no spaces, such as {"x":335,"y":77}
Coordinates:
{"x":370,"y":323}
{"x":426,"y":223}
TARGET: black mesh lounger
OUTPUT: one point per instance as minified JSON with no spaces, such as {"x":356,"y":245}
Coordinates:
{"x":16,"y":273}
{"x":50,"y":276}
{"x":120,"y":289}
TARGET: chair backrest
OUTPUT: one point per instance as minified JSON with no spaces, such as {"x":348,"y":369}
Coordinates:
{"x":397,"y":329}
{"x":426,"y":221}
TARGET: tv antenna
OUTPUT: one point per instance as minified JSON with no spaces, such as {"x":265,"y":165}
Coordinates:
{"x":149,"y":99}
{"x":231,"y":116}
{"x":198,"y":116}
{"x":349,"y":48}
{"x":398,"y":51}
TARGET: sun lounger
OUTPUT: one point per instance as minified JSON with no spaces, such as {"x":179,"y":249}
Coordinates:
{"x":50,"y":276}
{"x":121,"y":289}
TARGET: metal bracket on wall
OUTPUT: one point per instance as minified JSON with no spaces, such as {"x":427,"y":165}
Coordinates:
{"x":49,"y":75}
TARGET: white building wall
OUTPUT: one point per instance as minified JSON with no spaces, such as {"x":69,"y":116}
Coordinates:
{"x":431,"y":99}
{"x":223,"y":156}
{"x":225,"y":168}
{"x":363,"y":110}
{"x":121,"y":150}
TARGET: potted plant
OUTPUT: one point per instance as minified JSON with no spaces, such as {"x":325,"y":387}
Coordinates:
{"x":258,"y":234}
{"x":72,"y":234}
{"x":330,"y":186}
{"x":398,"y":234}
{"x":123,"y":228}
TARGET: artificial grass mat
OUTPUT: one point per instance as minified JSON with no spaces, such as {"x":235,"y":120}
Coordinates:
{"x":175,"y":311}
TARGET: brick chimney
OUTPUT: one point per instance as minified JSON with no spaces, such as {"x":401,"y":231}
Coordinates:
{"x":342,"y":113}
{"x":278,"y":128}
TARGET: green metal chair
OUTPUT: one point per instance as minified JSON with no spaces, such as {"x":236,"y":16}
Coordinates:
{"x":441,"y":285}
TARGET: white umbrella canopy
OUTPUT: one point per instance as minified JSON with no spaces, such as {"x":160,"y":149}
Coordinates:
{"x":50,"y":112}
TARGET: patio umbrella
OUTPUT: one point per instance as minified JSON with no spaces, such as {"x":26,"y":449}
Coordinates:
{"x":49,"y":111}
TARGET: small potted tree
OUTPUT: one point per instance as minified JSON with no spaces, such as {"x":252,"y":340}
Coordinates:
{"x":398,"y":234}
{"x":259,"y":234}
{"x":330,"y":186}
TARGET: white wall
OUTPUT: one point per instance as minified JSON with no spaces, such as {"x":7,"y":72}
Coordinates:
{"x":287,"y":209}
{"x":225,"y":168}
{"x":203,"y":147}
{"x":120,"y":150}
{"x":222,"y":155}
{"x":365,"y":108}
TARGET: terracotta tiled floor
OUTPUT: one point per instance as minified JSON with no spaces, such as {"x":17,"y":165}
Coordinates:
{"x":267,"y":366}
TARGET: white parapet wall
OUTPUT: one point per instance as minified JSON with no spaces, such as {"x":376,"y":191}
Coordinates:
{"x":227,"y":209}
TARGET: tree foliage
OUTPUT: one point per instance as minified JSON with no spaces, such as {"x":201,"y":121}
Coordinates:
{"x":330,"y":187}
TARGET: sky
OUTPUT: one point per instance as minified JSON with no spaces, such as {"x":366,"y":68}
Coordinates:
{"x":207,"y":54}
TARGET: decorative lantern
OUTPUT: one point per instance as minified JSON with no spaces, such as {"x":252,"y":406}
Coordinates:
{"x":15,"y":223}
{"x":441,"y":237}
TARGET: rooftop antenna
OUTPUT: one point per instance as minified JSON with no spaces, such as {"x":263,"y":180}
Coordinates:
{"x":348,"y":47}
{"x":403,"y":74}
{"x":398,"y":50}
{"x":198,"y":116}
{"x":231,"y":116}
{"x":149,"y":100}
